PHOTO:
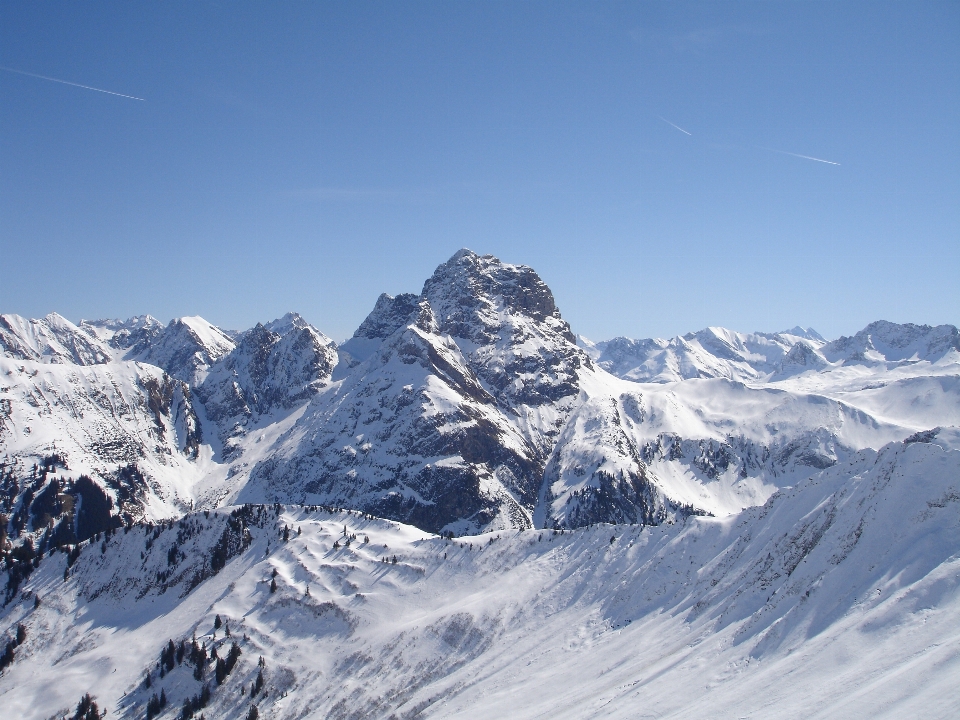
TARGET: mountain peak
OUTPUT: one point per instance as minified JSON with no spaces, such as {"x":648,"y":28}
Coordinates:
{"x":462,"y":253}
{"x":806,"y":333}
{"x":283,"y":325}
{"x":388,"y":314}
{"x":470,"y":294}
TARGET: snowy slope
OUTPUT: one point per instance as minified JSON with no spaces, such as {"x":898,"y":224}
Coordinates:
{"x":52,"y":339}
{"x":98,"y":420}
{"x":836,"y":598}
{"x":186,"y":349}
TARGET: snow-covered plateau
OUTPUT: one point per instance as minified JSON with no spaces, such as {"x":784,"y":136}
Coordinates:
{"x":465,"y":510}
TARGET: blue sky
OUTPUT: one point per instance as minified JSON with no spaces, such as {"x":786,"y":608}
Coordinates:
{"x":308,"y":156}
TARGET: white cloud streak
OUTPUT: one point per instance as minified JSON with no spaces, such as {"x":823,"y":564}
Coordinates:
{"x":672,"y":125}
{"x":67,"y":82}
{"x":805,"y":157}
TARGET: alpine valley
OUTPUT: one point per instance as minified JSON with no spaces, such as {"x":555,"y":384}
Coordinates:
{"x":466,"y":510}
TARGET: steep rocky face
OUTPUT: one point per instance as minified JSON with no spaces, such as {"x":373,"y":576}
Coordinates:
{"x":469,"y":292}
{"x":388,"y":315}
{"x":186,"y":349}
{"x":268,"y":370}
{"x":449,"y":421}
{"x":52,"y":339}
{"x":514,"y":337}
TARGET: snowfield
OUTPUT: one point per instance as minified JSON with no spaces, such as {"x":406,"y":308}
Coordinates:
{"x":837,"y":598}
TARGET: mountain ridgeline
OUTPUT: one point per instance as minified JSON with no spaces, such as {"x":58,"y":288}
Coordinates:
{"x":468,"y":407}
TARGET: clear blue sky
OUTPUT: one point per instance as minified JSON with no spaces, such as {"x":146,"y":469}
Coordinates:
{"x":308,"y":156}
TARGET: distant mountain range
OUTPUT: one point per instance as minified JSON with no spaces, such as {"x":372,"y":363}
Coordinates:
{"x":748,"y":357}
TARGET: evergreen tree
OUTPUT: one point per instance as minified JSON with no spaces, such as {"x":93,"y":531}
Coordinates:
{"x":7,"y":656}
{"x":87,"y":709}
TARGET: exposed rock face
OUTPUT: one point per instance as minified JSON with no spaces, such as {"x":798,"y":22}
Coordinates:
{"x":519,"y":345}
{"x":388,"y":315}
{"x":449,"y":420}
{"x":468,"y":291}
{"x":268,"y":370}
{"x":186,"y":349}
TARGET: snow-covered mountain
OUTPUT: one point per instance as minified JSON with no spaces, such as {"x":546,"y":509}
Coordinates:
{"x":710,"y":353}
{"x":450,"y":410}
{"x":756,"y":503}
{"x":52,"y":339}
{"x":752,"y":357}
{"x":273,"y":367}
{"x":847,"y":584}
{"x":470,"y":407}
{"x":130,"y":427}
{"x":887,"y":343}
{"x":187,"y":348}
{"x":128,"y":337}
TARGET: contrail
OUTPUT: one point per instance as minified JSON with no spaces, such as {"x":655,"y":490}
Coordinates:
{"x":66,"y":82}
{"x":676,"y":126}
{"x":805,"y":157}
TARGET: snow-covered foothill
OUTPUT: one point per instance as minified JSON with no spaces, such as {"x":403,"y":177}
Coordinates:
{"x":847,"y":584}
